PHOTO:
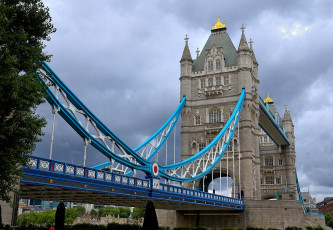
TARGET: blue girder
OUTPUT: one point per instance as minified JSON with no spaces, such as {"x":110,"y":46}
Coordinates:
{"x":175,"y":116}
{"x":142,"y":164}
{"x":233,"y":118}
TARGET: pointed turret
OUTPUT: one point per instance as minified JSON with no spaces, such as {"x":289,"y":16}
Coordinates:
{"x":287,"y":116}
{"x":243,"y":46}
{"x":255,"y":62}
{"x":289,"y":126}
{"x":244,"y":57}
{"x":186,"y":61}
{"x":186,"y":53}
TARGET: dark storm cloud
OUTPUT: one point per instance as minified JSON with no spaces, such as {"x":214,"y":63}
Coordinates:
{"x":122,"y":60}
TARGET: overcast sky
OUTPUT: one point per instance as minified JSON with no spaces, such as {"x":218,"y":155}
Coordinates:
{"x":121,"y":58}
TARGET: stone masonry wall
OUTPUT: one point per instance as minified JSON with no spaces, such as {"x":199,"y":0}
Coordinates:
{"x":258,"y":213}
{"x":278,"y":214}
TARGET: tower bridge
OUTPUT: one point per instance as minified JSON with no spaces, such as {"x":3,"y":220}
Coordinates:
{"x":227,"y":130}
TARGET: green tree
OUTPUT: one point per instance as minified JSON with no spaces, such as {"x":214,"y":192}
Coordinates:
{"x":22,"y":219}
{"x":124,"y":212}
{"x":100,"y":212}
{"x":24,"y":26}
{"x":138,"y":213}
{"x":329,"y":220}
{"x":80,"y":210}
{"x":93,"y":212}
{"x":32,"y":218}
{"x":110,"y":211}
{"x":47,"y":217}
{"x":70,"y":215}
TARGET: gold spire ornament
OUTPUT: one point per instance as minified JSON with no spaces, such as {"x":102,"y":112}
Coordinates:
{"x":218,"y":24}
{"x":268,"y":99}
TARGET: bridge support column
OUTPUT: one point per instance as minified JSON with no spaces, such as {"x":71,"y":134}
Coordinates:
{"x":8,"y":212}
{"x":250,"y":159}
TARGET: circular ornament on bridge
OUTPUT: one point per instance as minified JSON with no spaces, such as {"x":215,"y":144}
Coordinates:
{"x":155,"y":169}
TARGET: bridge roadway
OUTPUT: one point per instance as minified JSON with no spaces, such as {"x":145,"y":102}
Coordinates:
{"x":53,"y":180}
{"x":271,"y":124}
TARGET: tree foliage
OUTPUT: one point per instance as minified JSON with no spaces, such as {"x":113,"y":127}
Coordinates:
{"x":329,"y":220}
{"x":93,"y":212}
{"x":24,"y":26}
{"x":70,"y":215}
{"x":80,"y":210}
{"x":138,"y":213}
{"x":122,"y":212}
{"x":45,"y":218}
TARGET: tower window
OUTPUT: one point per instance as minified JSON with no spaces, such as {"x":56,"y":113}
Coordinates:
{"x":269,"y":179}
{"x":280,"y":162}
{"x":201,"y":146}
{"x":230,"y":146}
{"x":218,"y":64}
{"x":218,"y":81}
{"x":269,"y":161}
{"x":202,"y":83}
{"x":214,"y":116}
{"x":197,"y":120}
{"x":226,"y":80}
{"x":278,"y":180}
{"x":210,"y":82}
{"x":210,"y":65}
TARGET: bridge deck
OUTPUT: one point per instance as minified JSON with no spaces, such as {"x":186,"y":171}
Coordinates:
{"x":271,"y":124}
{"x":48,"y":180}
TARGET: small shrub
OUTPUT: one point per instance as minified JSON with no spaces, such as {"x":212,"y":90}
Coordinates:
{"x":253,"y":228}
{"x":293,"y":228}
{"x":116,"y":226}
{"x":318,"y":228}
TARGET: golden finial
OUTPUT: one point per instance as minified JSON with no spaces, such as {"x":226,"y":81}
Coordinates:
{"x":218,"y":24}
{"x":268,"y":99}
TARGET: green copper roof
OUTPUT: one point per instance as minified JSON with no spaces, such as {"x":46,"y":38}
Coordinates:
{"x":219,"y":39}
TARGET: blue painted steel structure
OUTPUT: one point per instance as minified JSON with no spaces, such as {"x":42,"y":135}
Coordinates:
{"x":274,"y":122}
{"x":50,"y":173}
{"x":44,"y":172}
{"x":214,"y":151}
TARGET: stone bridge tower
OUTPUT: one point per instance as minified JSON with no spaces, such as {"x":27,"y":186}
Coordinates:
{"x":212,"y":84}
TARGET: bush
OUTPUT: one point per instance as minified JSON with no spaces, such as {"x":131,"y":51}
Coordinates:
{"x":293,"y":228}
{"x":164,"y":228}
{"x":191,"y":228}
{"x":253,"y":228}
{"x":329,"y":220}
{"x":87,"y":225}
{"x":116,"y":226}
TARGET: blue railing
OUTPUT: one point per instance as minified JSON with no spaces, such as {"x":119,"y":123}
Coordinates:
{"x":315,"y":213}
{"x":37,"y":163}
{"x":199,"y":194}
{"x":85,"y":172}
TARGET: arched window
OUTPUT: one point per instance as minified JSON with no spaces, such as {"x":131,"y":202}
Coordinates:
{"x":218,"y":64}
{"x":214,"y":116}
{"x":210,"y":65}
